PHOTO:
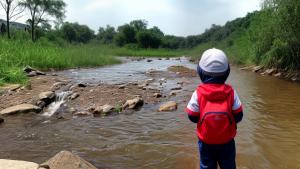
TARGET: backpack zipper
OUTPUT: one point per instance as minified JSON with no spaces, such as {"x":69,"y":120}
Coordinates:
{"x":223,"y":113}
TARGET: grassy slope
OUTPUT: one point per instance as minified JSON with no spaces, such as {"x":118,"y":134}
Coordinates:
{"x":237,"y":46}
{"x":14,"y":55}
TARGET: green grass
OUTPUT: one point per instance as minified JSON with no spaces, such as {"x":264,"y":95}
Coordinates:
{"x":15,"y":55}
{"x":43,"y":55}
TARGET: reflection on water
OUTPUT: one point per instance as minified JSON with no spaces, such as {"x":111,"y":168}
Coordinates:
{"x":269,"y":136}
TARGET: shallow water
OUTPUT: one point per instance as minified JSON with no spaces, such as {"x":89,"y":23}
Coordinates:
{"x":268,"y":137}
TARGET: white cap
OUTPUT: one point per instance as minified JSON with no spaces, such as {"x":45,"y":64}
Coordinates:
{"x":214,"y":62}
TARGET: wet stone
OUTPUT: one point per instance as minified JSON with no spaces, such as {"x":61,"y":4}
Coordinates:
{"x":134,"y":103}
{"x":83,"y":85}
{"x":169,"y":106}
{"x":67,"y":160}
{"x":22,"y":108}
{"x":104,"y":110}
{"x":41,"y":104}
{"x":49,"y":95}
{"x":257,"y":68}
{"x":157,"y":95}
{"x":74,"y":96}
{"x":1,"y":120}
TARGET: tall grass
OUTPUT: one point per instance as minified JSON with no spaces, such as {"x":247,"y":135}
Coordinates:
{"x":16,"y":54}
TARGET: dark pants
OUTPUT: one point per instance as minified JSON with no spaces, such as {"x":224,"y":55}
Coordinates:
{"x":212,"y":155}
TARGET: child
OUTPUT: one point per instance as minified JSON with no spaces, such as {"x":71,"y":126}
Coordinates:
{"x":216,"y":108}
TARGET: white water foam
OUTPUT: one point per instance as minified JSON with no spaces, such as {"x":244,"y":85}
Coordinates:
{"x":53,"y":107}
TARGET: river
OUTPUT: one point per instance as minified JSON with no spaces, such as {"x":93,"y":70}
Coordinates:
{"x":268,"y":137}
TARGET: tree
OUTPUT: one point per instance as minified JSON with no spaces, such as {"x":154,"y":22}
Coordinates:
{"x":148,"y":39}
{"x":41,"y":10}
{"x":126,"y":34}
{"x":3,"y":28}
{"x":74,"y":32}
{"x":106,"y":35}
{"x":12,"y":10}
{"x":139,"y":25}
{"x":69,"y":32}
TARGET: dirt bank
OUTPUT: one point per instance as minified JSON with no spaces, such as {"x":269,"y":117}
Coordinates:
{"x":279,"y":73}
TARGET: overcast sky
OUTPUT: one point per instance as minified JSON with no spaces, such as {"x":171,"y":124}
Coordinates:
{"x":177,"y":17}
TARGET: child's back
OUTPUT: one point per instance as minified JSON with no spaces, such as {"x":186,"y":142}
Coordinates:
{"x":216,"y":109}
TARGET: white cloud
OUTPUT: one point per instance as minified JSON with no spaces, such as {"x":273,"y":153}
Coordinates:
{"x":93,"y":5}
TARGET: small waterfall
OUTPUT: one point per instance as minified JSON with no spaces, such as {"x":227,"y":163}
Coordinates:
{"x":53,"y":107}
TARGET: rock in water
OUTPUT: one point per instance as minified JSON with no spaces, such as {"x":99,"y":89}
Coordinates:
{"x":257,"y":69}
{"x":13,"y":164}
{"x":1,"y":120}
{"x":157,"y":95}
{"x":106,"y":109}
{"x":32,"y":72}
{"x":134,"y":103}
{"x":22,"y":108}
{"x":67,"y":160}
{"x":169,"y":106}
{"x":46,"y":96}
{"x":74,"y":96}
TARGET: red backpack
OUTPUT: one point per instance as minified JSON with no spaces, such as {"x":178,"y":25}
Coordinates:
{"x":216,"y":124}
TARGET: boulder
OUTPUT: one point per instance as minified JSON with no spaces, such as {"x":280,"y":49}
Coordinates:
{"x":257,"y":68}
{"x":279,"y":74}
{"x":1,"y":120}
{"x":74,"y":96}
{"x":149,"y":60}
{"x":67,"y":160}
{"x":41,"y":104}
{"x":148,"y":81}
{"x":32,"y":72}
{"x":142,"y":86}
{"x":46,"y":96}
{"x":83,"y":85}
{"x":13,"y":164}
{"x":72,"y":110}
{"x":22,"y":108}
{"x":14,"y":87}
{"x":57,"y":86}
{"x":296,"y":79}
{"x":169,"y":106}
{"x":270,"y":71}
{"x":104,"y":110}
{"x":173,"y":93}
{"x":134,"y":103}
{"x":122,"y":86}
{"x":157,"y":95}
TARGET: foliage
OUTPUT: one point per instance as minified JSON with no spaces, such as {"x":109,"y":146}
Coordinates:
{"x":41,"y":10}
{"x":12,"y":11}
{"x":75,"y":32}
{"x":106,"y":35}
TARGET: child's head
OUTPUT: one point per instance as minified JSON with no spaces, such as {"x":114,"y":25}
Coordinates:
{"x":213,"y":67}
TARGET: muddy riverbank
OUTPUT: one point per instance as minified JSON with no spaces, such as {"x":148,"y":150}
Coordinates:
{"x":146,"y":137}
